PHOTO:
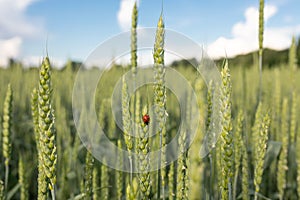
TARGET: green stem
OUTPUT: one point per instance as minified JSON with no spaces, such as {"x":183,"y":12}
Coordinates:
{"x":230,"y":189}
{"x":53,"y":193}
{"x":159,"y":170}
{"x":260,"y":76}
{"x":6,"y":178}
{"x":235,"y":183}
{"x":211,"y":176}
{"x":131,"y":168}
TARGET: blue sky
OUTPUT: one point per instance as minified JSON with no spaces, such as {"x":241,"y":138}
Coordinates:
{"x":73,"y":28}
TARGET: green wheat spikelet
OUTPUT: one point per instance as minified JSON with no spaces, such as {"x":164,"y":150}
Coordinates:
{"x":182,"y":168}
{"x":293,"y":118}
{"x":42,"y":184}
{"x":226,"y":134}
{"x":133,"y":45}
{"x":298,"y":160}
{"x":35,"y":117}
{"x":88,"y":182}
{"x":209,"y":104}
{"x":256,"y":128}
{"x":171,"y":184}
{"x":196,"y":166}
{"x":144,"y":159}
{"x":46,"y":124}
{"x":137,"y":116}
{"x":1,"y":190}
{"x":260,"y":152}
{"x":283,"y":161}
{"x":104,"y":182}
{"x":6,"y":132}
{"x":95,"y":183}
{"x":238,"y":150}
{"x":260,"y":42}
{"x":160,"y":95}
{"x":277,"y":105}
{"x":23,"y":180}
{"x":245,"y":172}
{"x":6,"y":124}
{"x":126,"y":117}
{"x":293,"y":55}
{"x":132,"y":190}
{"x":120,"y":175}
{"x":238,"y":140}
{"x":261,"y":26}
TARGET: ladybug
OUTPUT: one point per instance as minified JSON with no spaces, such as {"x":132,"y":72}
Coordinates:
{"x":146,"y":119}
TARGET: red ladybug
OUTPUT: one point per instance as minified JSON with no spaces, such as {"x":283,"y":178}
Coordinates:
{"x":146,"y":119}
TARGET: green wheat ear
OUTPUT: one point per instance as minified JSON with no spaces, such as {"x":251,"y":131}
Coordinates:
{"x":238,"y":150}
{"x":1,"y":190}
{"x":227,"y":162}
{"x":6,"y":133}
{"x":132,"y":190}
{"x":42,"y":184}
{"x":133,"y":46}
{"x":182,"y":167}
{"x":245,"y":172}
{"x":160,"y":98}
{"x":7,"y":122}
{"x":261,"y":26}
{"x":172,"y":183}
{"x":260,"y":149}
{"x":293,"y":55}
{"x":104,"y":181}
{"x":260,"y":41}
{"x":144,"y":159}
{"x":88,"y":183}
{"x":126,"y":117}
{"x":293,"y":61}
{"x":23,"y":180}
{"x":46,"y":124}
{"x":283,"y":156}
{"x":120,"y":175}
{"x":95,"y":184}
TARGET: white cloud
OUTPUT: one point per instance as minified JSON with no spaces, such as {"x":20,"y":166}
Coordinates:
{"x":35,"y":61}
{"x":15,"y":25}
{"x":9,"y":48}
{"x":124,"y":14}
{"x":245,"y":35}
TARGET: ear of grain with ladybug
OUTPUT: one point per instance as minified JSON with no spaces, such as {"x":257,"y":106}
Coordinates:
{"x":255,"y":156}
